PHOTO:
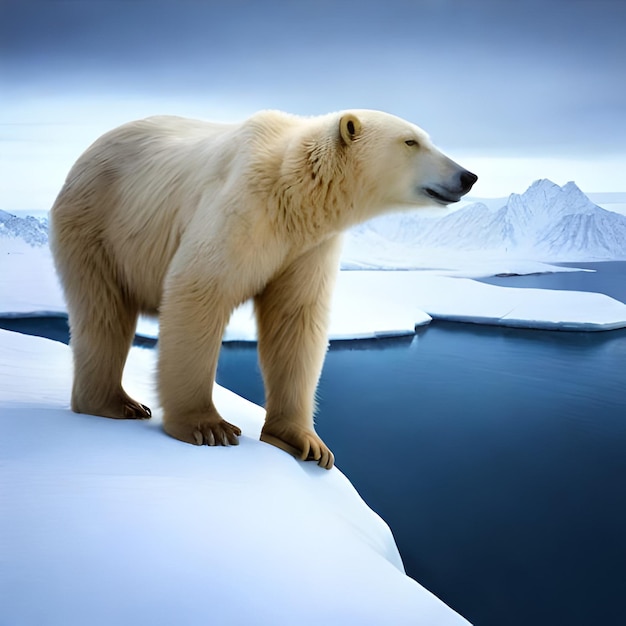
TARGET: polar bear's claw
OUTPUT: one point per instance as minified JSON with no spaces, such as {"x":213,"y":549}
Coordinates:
{"x":116,"y":405}
{"x":134,"y":410}
{"x":311,"y":448}
{"x":209,"y":433}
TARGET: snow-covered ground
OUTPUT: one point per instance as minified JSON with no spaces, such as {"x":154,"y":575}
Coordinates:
{"x":112,"y":522}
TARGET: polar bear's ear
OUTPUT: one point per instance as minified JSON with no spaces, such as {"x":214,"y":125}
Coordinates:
{"x":349,"y":128}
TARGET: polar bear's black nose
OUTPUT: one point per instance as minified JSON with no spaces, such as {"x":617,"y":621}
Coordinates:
{"x":467,"y":180}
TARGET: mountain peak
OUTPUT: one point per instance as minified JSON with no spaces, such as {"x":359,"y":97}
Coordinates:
{"x":546,"y":186}
{"x":28,"y":228}
{"x":547,"y":222}
{"x":571,"y":186}
{"x":543,"y":184}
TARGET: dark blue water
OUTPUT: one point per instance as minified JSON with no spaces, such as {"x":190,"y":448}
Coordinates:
{"x":608,"y":277}
{"x":497,"y":456}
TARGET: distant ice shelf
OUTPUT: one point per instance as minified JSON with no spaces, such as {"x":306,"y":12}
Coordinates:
{"x":465,"y":300}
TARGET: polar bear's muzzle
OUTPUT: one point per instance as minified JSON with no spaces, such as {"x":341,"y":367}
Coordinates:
{"x":461,"y":183}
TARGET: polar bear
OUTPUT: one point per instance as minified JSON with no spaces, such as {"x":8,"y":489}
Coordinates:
{"x":187,"y":219}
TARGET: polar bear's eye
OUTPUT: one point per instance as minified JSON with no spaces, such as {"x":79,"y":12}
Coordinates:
{"x":411,"y":142}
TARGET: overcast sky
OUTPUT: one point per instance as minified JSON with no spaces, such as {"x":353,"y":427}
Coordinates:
{"x":488,"y":79}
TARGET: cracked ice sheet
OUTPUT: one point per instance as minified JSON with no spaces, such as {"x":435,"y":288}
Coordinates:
{"x":465,"y":300}
{"x":112,"y":522}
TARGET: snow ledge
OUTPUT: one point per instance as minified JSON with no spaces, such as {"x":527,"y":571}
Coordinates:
{"x":112,"y":522}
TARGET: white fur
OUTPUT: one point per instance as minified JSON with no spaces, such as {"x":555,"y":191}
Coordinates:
{"x":188,"y":219}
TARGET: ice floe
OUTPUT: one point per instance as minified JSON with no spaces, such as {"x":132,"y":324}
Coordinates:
{"x":112,"y":522}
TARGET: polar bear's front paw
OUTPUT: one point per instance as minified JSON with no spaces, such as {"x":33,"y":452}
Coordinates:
{"x":210,"y":432}
{"x":301,"y":443}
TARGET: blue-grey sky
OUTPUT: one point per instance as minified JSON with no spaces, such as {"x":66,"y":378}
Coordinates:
{"x":491,"y":78}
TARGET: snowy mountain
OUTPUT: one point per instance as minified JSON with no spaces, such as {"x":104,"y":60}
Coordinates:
{"x":30,"y":229}
{"x":547,"y":222}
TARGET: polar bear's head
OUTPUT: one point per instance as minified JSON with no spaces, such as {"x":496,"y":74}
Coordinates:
{"x":399,"y":156}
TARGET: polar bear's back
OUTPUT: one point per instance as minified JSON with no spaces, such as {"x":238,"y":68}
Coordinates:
{"x":134,"y":191}
{"x":143,"y":187}
{"x":167,"y":161}
{"x":151,"y":157}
